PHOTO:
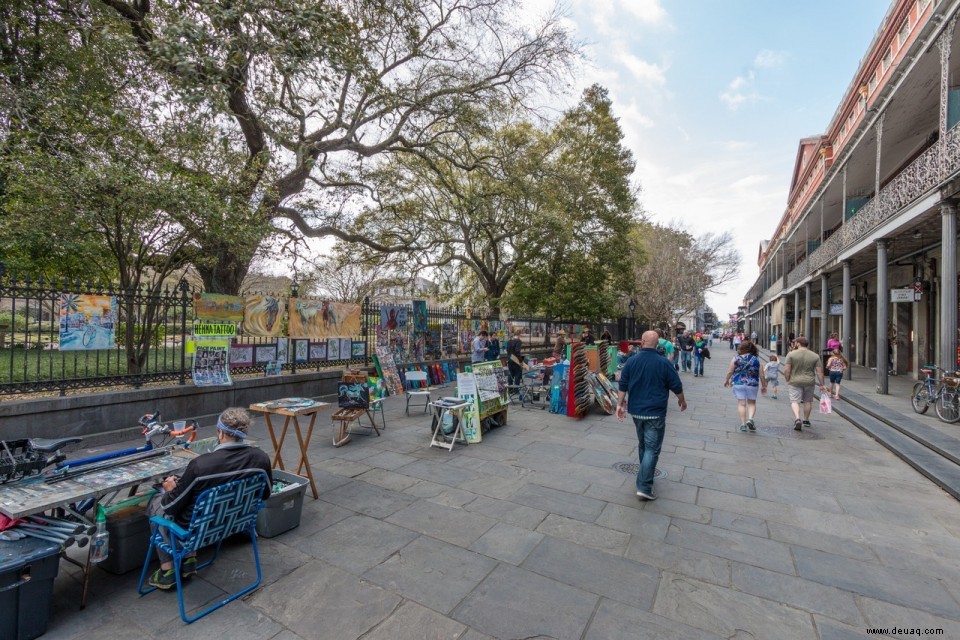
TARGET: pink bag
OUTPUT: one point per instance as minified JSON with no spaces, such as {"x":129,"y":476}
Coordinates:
{"x":826,"y":406}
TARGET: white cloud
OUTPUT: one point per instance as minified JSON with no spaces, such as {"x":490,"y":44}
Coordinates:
{"x":741,"y":91}
{"x":768,"y":59}
{"x":645,"y":72}
{"x":649,"y":11}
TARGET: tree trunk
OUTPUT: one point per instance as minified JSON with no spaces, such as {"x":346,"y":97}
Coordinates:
{"x":226,"y":272}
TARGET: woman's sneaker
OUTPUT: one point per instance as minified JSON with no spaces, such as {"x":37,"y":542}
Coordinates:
{"x":751,"y":425}
{"x":743,"y":427}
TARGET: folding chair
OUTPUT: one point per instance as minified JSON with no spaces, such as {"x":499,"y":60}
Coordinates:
{"x":414,"y":392}
{"x":218,"y":513}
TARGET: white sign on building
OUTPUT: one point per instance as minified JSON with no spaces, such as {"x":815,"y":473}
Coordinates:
{"x":902,"y":295}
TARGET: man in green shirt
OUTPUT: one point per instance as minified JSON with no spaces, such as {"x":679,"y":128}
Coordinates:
{"x":803,"y":371}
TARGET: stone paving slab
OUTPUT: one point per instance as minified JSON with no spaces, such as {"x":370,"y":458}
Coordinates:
{"x":531,"y":533}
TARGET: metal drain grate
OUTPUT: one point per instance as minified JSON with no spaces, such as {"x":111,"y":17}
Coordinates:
{"x":633,"y":468}
{"x":788,"y":432}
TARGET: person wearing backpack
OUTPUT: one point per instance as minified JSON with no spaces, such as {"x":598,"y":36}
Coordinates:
{"x":836,"y":365}
{"x":700,"y":353}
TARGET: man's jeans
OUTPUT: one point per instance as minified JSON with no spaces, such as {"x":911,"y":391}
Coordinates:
{"x":650,"y":437}
{"x":685,"y":357}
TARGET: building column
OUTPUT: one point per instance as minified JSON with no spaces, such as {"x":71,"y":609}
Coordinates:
{"x":796,"y":313}
{"x":948,"y":286}
{"x":845,"y":321}
{"x":883,"y":306}
{"x":808,"y":294}
{"x":783,"y":327}
{"x":824,"y":309}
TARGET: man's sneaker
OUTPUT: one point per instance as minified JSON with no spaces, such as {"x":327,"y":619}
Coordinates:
{"x":806,"y":423}
{"x":163,"y":579}
{"x":743,"y":427}
{"x":797,"y":424}
{"x":188,"y":567}
{"x":751,"y":425}
{"x":646,"y":496}
{"x":773,"y":397}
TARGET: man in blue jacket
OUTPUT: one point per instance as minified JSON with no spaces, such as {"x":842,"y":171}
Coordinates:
{"x":645,"y":385}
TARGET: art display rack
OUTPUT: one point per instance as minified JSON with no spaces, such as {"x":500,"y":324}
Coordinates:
{"x":580,"y":396}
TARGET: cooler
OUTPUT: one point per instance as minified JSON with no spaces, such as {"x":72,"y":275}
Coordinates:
{"x":27,"y":570}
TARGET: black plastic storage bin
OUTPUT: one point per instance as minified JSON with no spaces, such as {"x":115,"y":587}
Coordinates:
{"x":27,"y":570}
{"x":129,"y":538}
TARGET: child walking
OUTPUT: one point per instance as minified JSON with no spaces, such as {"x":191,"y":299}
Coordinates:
{"x":836,"y":365}
{"x":771,"y":371}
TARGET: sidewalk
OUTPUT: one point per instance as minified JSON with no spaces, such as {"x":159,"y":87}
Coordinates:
{"x":534,"y":533}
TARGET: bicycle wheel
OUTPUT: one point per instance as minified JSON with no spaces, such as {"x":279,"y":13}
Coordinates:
{"x":948,"y":406}
{"x":920,"y":398}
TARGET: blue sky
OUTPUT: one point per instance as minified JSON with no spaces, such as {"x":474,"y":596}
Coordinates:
{"x":713,"y":97}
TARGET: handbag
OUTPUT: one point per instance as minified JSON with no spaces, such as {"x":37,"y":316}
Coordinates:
{"x":826,"y":406}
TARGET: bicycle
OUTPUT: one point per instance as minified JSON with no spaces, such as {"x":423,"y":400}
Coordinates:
{"x":926,"y":391}
{"x":948,"y":403}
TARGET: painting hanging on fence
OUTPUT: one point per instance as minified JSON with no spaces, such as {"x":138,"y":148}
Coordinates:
{"x":309,"y":318}
{"x":301,"y":350}
{"x":211,"y":363}
{"x":358,"y":350}
{"x":87,"y":322}
{"x":420,"y":316}
{"x":393,"y":317}
{"x":333,"y":349}
{"x":346,"y":348}
{"x":262,"y":316}
{"x":282,"y":346}
{"x":265,"y":353}
{"x":218,"y":307}
{"x":241,"y":355}
{"x":318,"y":351}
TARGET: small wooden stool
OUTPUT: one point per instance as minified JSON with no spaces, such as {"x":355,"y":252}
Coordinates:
{"x":346,"y":418}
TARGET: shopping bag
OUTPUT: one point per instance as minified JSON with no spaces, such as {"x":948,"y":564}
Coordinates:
{"x":825,"y":405}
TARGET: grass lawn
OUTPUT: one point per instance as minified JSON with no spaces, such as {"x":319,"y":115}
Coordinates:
{"x":23,"y":365}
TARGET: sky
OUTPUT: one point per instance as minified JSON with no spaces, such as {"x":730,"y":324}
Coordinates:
{"x":714,"y":96}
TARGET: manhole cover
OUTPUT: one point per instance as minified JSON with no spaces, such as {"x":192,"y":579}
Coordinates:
{"x":633,"y":468}
{"x":788,"y":432}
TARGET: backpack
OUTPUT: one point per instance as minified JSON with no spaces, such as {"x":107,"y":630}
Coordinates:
{"x":661,"y":350}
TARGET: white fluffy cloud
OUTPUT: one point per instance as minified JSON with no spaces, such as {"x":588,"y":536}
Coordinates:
{"x":643,"y":71}
{"x":768,"y":59}
{"x":649,"y":11}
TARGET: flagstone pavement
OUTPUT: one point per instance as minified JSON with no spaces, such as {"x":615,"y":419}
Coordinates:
{"x":534,"y":534}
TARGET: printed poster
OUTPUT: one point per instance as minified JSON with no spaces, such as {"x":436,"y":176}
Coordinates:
{"x":309,"y":318}
{"x":218,"y":307}
{"x":393,"y":317}
{"x":87,"y":322}
{"x":467,"y":390}
{"x":420,"y":316}
{"x":262,"y":317}
{"x":211,"y":363}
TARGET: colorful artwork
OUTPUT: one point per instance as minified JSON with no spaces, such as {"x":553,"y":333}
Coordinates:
{"x":358,"y":350}
{"x":241,"y":355}
{"x":261,"y":316}
{"x":211,"y":364}
{"x":388,"y":371}
{"x":467,"y":390}
{"x":218,"y":307}
{"x":87,"y":322}
{"x":346,"y":348}
{"x":393,"y":317}
{"x":282,"y":345}
{"x":333,"y":349}
{"x":318,"y":351}
{"x":273,"y":368}
{"x":420,"y":316}
{"x":310,"y":318}
{"x":301,"y":349}
{"x":353,"y":395}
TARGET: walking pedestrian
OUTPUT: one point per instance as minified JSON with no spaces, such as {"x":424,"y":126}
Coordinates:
{"x":645,"y":385}
{"x":686,"y":351}
{"x":700,"y":353}
{"x":771,"y":371}
{"x":834,"y":344}
{"x":836,"y":365}
{"x":744,"y":376}
{"x":803,"y":370}
{"x":664,"y":346}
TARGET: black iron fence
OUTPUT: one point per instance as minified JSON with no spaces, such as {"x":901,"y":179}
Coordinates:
{"x":50,"y":340}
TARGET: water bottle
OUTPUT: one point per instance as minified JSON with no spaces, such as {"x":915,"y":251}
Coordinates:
{"x":100,"y":542}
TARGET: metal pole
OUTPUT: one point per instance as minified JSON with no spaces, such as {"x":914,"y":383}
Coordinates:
{"x":824,"y":309}
{"x":845,"y":320}
{"x":807,"y":316}
{"x":948,"y":287}
{"x":882,"y":317}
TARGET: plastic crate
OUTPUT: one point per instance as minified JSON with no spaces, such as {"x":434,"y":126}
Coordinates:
{"x":129,"y":538}
{"x":282,"y":510}
{"x":27,"y":570}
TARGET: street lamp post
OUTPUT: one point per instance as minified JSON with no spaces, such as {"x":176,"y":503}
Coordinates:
{"x":633,"y":327}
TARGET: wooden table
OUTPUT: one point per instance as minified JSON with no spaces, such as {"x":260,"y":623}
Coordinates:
{"x":291,"y":410}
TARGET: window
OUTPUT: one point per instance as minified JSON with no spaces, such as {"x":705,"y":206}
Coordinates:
{"x":887,"y":59}
{"x":872,"y":85}
{"x":904,"y":32}
{"x":923,"y":5}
